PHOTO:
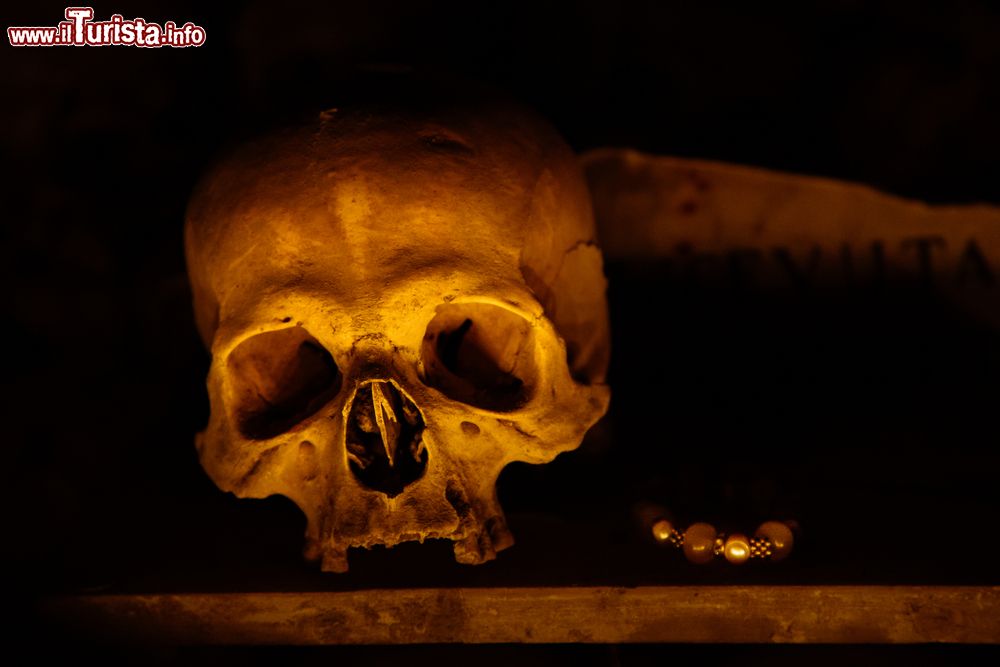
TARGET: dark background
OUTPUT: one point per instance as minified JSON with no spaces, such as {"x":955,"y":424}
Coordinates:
{"x":869,"y":417}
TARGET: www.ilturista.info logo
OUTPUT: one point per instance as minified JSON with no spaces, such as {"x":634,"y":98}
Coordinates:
{"x":79,"y":29}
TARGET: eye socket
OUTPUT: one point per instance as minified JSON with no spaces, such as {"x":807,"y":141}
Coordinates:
{"x":480,"y":354}
{"x":279,"y":378}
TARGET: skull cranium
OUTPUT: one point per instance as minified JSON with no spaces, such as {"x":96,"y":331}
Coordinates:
{"x":398,"y":304}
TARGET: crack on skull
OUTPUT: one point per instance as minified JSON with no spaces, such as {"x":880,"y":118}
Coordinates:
{"x":384,"y":438}
{"x":262,"y":460}
{"x":443,"y":140}
{"x":517,"y":428}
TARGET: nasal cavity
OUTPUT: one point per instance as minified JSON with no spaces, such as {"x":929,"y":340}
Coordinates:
{"x":385,"y":431}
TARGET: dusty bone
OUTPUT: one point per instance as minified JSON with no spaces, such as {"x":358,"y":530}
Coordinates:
{"x":373,"y":235}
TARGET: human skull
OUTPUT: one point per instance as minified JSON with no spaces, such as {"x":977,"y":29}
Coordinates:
{"x":399,"y":302}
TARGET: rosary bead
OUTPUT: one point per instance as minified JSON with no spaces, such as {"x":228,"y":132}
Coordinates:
{"x":662,"y":530}
{"x":737,"y":549}
{"x":699,"y":543}
{"x":780,"y":537}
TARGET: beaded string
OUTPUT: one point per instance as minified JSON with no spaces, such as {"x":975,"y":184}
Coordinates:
{"x":701,"y":543}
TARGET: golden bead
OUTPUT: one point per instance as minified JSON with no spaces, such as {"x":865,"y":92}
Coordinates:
{"x":737,"y":549}
{"x":699,"y":543}
{"x":662,"y":530}
{"x":780,"y":537}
